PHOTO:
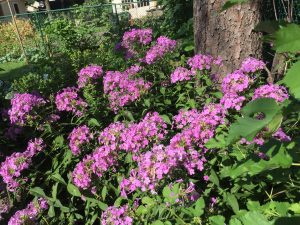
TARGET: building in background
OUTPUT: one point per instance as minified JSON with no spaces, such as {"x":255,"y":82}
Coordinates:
{"x":136,"y":8}
{"x":18,"y":6}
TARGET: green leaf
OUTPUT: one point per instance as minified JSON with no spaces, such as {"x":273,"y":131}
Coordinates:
{"x":73,"y":190}
{"x":292,"y":80}
{"x":235,"y":221}
{"x":148,"y":201}
{"x":247,"y":126}
{"x":287,"y":39}
{"x":157,"y":222}
{"x":37,"y":191}
{"x":231,"y":3}
{"x":94,"y":123}
{"x":214,"y":178}
{"x":104,"y":192}
{"x":166,"y":119}
{"x":279,"y":158}
{"x":253,"y":217}
{"x":141,"y":210}
{"x":54,"y":191}
{"x":51,"y":211}
{"x":200,"y":204}
{"x":59,"y":141}
{"x":232,"y":201}
{"x":217,"y":220}
{"x":57,"y":177}
{"x":295,"y":208}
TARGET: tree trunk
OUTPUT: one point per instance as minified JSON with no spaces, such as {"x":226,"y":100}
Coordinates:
{"x":228,"y":34}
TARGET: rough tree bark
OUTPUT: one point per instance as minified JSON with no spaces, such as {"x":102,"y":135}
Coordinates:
{"x":228,"y":34}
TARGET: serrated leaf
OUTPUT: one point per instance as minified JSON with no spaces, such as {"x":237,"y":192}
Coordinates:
{"x":59,"y":141}
{"x":287,"y":39}
{"x":214,"y":178}
{"x":251,"y":218}
{"x":292,"y":80}
{"x":147,"y":200}
{"x":295,"y":208}
{"x":235,"y":221}
{"x":54,"y":191}
{"x":73,"y":190}
{"x":104,"y":192}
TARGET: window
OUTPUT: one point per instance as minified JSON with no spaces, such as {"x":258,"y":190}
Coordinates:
{"x":1,"y":10}
{"x":140,"y":3}
{"x":143,"y":3}
{"x":16,"y":8}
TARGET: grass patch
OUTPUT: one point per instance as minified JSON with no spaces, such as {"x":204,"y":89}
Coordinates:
{"x":12,"y":70}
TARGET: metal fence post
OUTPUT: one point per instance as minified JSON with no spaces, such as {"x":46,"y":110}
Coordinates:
{"x":17,"y":30}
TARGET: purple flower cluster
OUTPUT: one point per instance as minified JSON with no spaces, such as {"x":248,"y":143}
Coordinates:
{"x":123,"y":88}
{"x":136,"y":37}
{"x":232,"y":101}
{"x":138,"y":136}
{"x":162,"y":160}
{"x":79,"y":136}
{"x":22,"y":106}
{"x":235,"y":82}
{"x":116,"y":216}
{"x":181,"y":74}
{"x":277,"y":92}
{"x":88,"y":74}
{"x":68,"y":100}
{"x":29,"y":214}
{"x":14,"y":164}
{"x":163,"y":46}
{"x":115,"y":138}
{"x":202,"y":62}
{"x":232,"y":85}
{"x":251,"y":65}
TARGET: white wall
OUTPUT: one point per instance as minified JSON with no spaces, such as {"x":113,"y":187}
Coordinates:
{"x":135,"y":11}
{"x":5,"y":9}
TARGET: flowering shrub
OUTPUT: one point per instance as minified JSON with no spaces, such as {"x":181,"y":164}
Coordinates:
{"x":160,"y":142}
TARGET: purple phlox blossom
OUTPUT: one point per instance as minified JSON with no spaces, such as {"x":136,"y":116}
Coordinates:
{"x":277,"y":92}
{"x":89,"y":74}
{"x":14,"y":164}
{"x":116,"y":216}
{"x":29,"y":214}
{"x":235,"y":82}
{"x":22,"y":106}
{"x":251,"y":65}
{"x":163,"y":46}
{"x":78,"y":137}
{"x":68,"y":100}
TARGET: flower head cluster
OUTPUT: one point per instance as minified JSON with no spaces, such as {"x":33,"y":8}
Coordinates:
{"x":161,"y":161}
{"x":185,"y":118}
{"x":116,"y":216}
{"x":82,"y":174}
{"x":163,"y":46}
{"x":277,"y":92}
{"x":123,"y":88}
{"x":235,"y":82}
{"x":68,"y":100}
{"x":14,"y":164}
{"x":251,"y":65}
{"x":140,"y":135}
{"x":232,"y":101}
{"x":232,"y":85}
{"x":88,"y":74}
{"x":202,"y":62}
{"x":181,"y":74}
{"x":22,"y":106}
{"x":79,"y":136}
{"x":136,"y":37}
{"x":29,"y":214}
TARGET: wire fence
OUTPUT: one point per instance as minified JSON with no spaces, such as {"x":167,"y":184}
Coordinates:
{"x":35,"y":28}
